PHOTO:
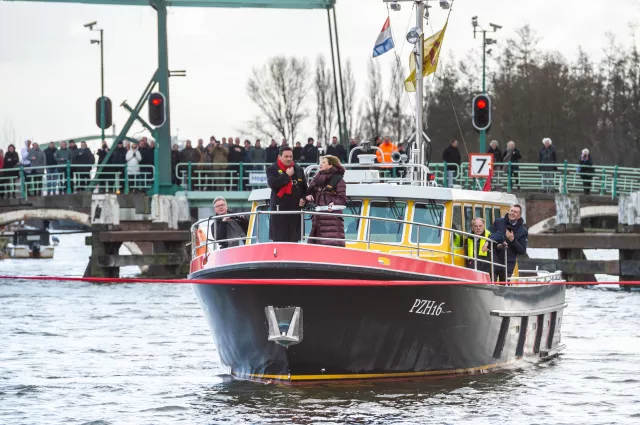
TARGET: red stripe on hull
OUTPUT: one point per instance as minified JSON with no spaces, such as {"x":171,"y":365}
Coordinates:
{"x":309,"y":254}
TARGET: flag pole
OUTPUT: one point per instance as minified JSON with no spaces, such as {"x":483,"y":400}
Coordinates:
{"x":419,"y":155}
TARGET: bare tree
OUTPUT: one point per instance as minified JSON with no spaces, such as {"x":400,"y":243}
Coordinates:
{"x":325,"y":100}
{"x":396,"y":121}
{"x":279,"y":89}
{"x":349,"y":84}
{"x":8,"y":134}
{"x":372,"y":109}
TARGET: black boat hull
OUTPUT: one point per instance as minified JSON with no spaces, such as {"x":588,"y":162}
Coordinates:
{"x":355,"y":329}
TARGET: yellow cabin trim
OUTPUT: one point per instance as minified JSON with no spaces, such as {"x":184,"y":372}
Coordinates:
{"x":404,"y":246}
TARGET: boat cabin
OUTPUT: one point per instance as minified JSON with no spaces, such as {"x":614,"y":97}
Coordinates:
{"x":391,"y":211}
{"x":368,"y":205}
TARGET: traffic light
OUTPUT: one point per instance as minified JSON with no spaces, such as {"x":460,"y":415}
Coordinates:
{"x":107,"y":113}
{"x":157,"y":109}
{"x":481,"y":112}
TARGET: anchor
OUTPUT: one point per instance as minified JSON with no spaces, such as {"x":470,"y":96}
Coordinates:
{"x":285,"y":325}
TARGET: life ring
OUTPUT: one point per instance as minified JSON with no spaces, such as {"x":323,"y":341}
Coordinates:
{"x":201,"y":238}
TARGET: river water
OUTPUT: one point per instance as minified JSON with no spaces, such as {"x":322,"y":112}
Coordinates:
{"x":79,"y":353}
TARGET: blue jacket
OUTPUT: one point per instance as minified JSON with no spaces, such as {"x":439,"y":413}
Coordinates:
{"x":515,"y":248}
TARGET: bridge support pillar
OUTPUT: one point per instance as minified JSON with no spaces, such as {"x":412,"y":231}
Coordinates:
{"x":161,"y":236}
{"x":568,"y":221}
{"x":629,"y":222}
{"x":568,"y":213}
{"x":105,"y":209}
{"x":100,"y":249}
{"x":170,"y":213}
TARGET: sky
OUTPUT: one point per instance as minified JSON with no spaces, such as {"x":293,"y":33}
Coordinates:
{"x":50,"y":73}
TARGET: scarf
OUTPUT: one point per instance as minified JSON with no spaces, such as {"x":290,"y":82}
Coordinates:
{"x":286,"y":189}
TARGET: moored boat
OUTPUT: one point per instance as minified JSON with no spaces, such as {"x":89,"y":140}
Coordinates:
{"x":26,"y":243}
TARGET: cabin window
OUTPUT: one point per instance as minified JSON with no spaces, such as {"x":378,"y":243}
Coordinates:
{"x":263,"y":226}
{"x":468,"y":216}
{"x":456,"y":221}
{"x":488,"y":217}
{"x":479,"y":212}
{"x":352,"y":224}
{"x":385,"y":231}
{"x":431,"y":214}
{"x":496,"y":213}
{"x":265,"y":223}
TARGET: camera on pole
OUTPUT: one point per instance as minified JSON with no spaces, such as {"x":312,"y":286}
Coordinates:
{"x":157,"y":109}
{"x":107,"y":113}
{"x":481,"y":112}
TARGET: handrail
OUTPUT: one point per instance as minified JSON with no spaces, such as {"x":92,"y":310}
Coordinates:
{"x":412,"y":247}
{"x":66,"y":177}
{"x":507,"y":177}
{"x":424,"y":170}
{"x":361,"y":148}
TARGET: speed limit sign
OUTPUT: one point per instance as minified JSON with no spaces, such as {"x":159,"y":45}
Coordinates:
{"x":480,"y":165}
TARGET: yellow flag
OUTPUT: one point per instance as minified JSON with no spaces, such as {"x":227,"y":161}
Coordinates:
{"x":431,"y":49}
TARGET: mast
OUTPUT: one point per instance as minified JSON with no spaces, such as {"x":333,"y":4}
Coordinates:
{"x":418,"y":151}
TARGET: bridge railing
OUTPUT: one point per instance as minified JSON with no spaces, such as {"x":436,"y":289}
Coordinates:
{"x":507,"y":177}
{"x":222,"y":176}
{"x":245,"y":176}
{"x":556,"y":178}
{"x":24,"y":182}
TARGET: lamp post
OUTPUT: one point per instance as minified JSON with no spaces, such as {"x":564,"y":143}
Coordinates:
{"x":101,"y":43}
{"x":485,"y":42}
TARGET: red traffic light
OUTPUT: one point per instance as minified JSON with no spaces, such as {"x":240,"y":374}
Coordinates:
{"x":157,"y":109}
{"x":481,"y":112}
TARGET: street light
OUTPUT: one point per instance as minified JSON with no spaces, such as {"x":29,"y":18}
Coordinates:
{"x":413,"y":36}
{"x":103,"y":120}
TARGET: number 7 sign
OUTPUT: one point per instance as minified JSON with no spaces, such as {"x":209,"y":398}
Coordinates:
{"x":480,"y":165}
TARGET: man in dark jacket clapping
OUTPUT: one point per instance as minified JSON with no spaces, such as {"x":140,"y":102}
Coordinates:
{"x":510,"y":235}
{"x":288,"y":186}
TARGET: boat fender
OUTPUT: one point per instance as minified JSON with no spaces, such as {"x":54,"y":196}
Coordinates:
{"x":200,"y":238}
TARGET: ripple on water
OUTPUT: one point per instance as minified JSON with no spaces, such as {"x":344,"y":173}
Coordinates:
{"x":143,"y":354}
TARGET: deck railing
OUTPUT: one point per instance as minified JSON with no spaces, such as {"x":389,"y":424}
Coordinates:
{"x":423,"y":250}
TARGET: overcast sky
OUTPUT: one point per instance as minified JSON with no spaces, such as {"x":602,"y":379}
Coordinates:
{"x":50,"y":73}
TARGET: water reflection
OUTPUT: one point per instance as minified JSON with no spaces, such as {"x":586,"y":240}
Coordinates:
{"x":350,"y":402}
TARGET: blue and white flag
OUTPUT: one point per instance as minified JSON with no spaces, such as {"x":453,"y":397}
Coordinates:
{"x":384,"y":42}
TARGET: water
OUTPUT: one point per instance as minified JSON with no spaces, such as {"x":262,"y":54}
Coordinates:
{"x":77,"y":353}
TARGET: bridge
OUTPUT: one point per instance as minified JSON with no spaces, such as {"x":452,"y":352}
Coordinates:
{"x":553,"y":204}
{"x":203,"y":181}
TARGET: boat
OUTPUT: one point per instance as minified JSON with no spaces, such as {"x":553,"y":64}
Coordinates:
{"x":28,"y":243}
{"x":398,"y":301}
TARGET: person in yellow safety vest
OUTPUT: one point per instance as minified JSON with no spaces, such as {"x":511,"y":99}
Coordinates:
{"x":475,"y":247}
{"x":457,"y":237}
{"x":387,"y":148}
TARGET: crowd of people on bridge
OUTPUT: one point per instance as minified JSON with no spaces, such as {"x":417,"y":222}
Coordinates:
{"x":216,"y":165}
{"x":510,"y":158}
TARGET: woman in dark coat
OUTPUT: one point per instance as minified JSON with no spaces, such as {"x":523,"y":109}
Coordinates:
{"x":586,"y":171}
{"x":11,"y":161}
{"x":329,"y":189}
